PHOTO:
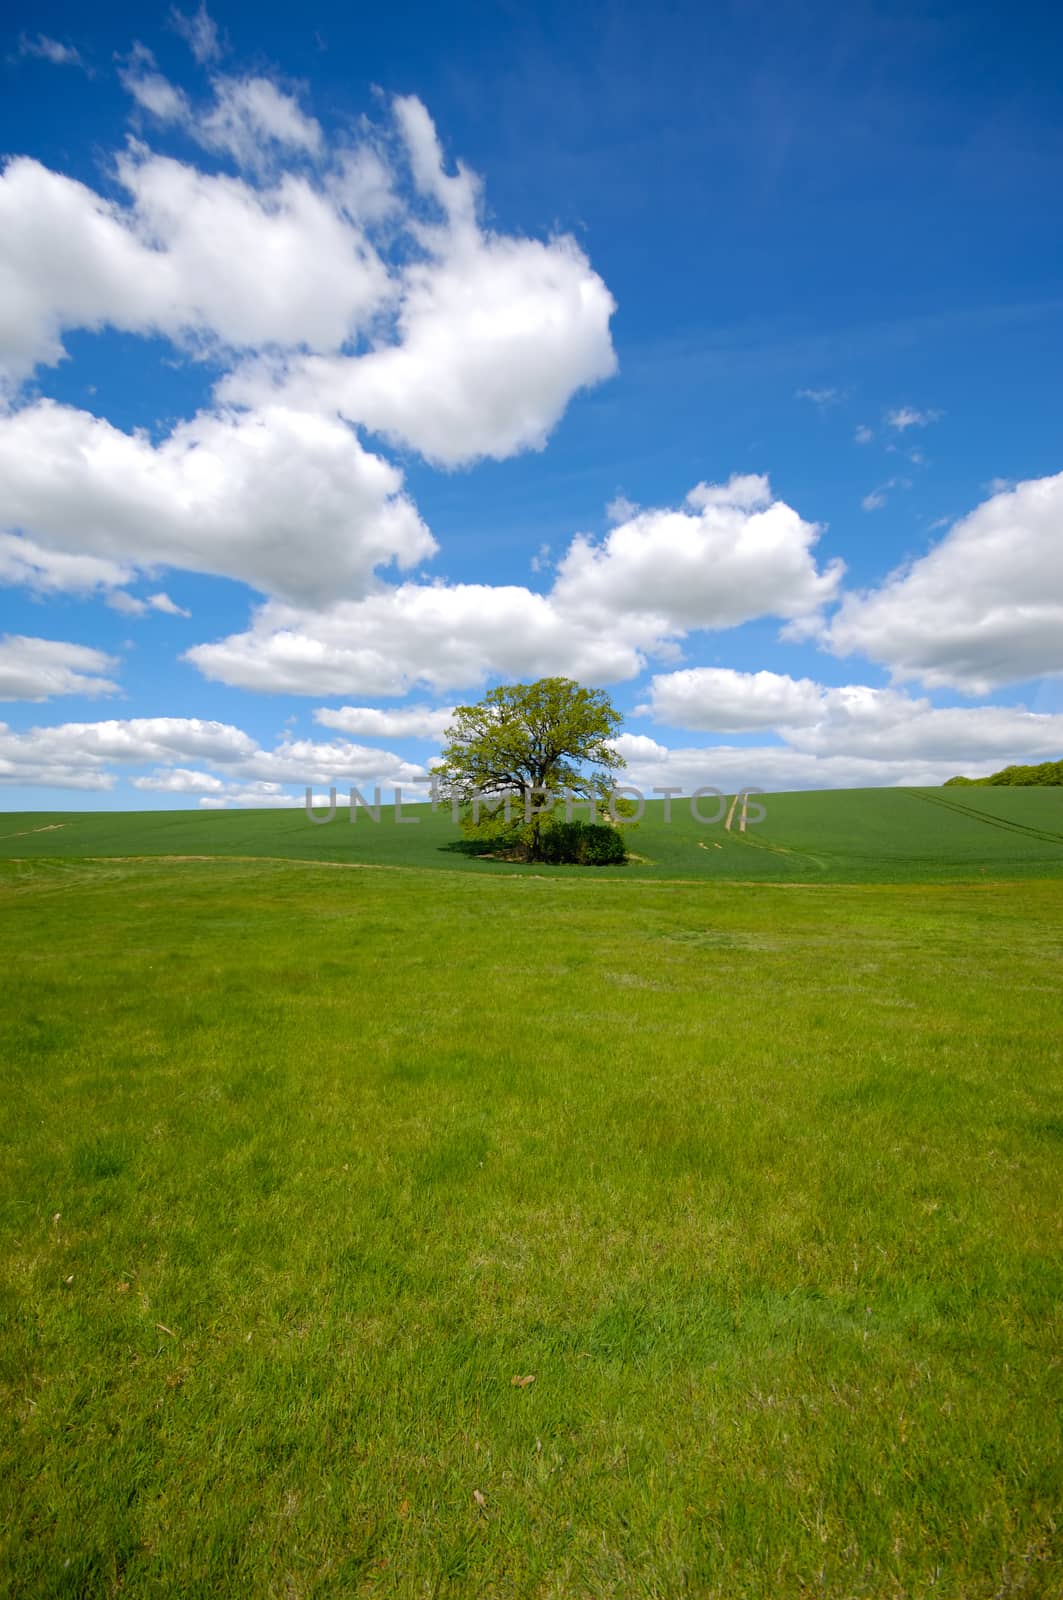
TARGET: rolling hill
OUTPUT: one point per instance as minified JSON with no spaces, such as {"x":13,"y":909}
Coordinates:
{"x":834,"y":836}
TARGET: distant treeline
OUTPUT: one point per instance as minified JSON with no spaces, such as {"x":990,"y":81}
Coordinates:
{"x":1049,"y":772}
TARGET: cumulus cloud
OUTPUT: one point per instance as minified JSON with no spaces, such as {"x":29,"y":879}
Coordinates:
{"x":433,"y":333}
{"x":853,"y":720}
{"x":179,"y":780}
{"x":493,"y":334}
{"x":720,"y":700}
{"x":435,"y":636}
{"x":773,"y":768}
{"x":479,"y":339}
{"x":405,"y":722}
{"x":984,"y":608}
{"x":286,"y":501}
{"x":193,"y":255}
{"x":78,"y":755}
{"x":835,"y":737}
{"x":84,"y":755}
{"x":255,"y":796}
{"x":924,"y":750}
{"x":30,"y":566}
{"x":886,"y":725}
{"x":732,"y":555}
{"x":37,"y":669}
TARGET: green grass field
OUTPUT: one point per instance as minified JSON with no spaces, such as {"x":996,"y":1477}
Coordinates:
{"x":845,"y":836}
{"x":758,"y":1180}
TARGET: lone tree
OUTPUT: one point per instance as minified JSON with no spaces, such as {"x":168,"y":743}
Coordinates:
{"x":531,"y":743}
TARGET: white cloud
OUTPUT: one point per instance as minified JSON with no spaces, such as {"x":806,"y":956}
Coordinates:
{"x":863,"y":434}
{"x":487,"y":336}
{"x":883,"y":724}
{"x":739,"y":555}
{"x":405,"y":722}
{"x":821,"y":397}
{"x":494,"y":338}
{"x":252,"y":117}
{"x":984,"y":608}
{"x":859,"y":736}
{"x":621,"y":509}
{"x":878,"y":497}
{"x":905,"y":417}
{"x":493,"y":334}
{"x":854,"y":721}
{"x":254,"y":796}
{"x":141,"y":78}
{"x":179,"y":780}
{"x":200,"y":33}
{"x":36,"y":669}
{"x":84,"y":755}
{"x":720,"y":700}
{"x":773,"y":768}
{"x":192,"y":256}
{"x":432,"y":635}
{"x":132,"y":606}
{"x":926,"y":756}
{"x":734,"y":555}
{"x":52,"y":571}
{"x":286,"y":501}
{"x":78,"y":755}
{"x":479,"y":342}
{"x":47,"y":49}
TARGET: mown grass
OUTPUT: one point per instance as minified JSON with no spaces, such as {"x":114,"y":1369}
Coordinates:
{"x":842,"y":836}
{"x":305,"y":1166}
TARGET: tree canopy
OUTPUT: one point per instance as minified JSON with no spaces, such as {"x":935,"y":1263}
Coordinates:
{"x":529,"y":742}
{"x":1048,"y":773}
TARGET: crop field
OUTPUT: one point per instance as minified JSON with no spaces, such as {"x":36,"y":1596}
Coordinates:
{"x":844,"y":836}
{"x":443,"y":1227}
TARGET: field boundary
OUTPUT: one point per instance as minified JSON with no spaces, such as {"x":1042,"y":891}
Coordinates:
{"x":903,"y":886}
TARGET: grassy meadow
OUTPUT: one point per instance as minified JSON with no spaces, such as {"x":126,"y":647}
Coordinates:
{"x":689,"y":1229}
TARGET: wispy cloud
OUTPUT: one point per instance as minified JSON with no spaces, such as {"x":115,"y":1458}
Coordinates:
{"x":863,"y":434}
{"x":905,"y":417}
{"x":131,"y":606}
{"x":45,"y":49}
{"x":821,"y":397}
{"x":878,"y":497}
{"x":200,"y":33}
{"x":621,"y":509}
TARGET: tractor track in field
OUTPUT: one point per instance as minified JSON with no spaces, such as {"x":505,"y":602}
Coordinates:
{"x":24,"y":833}
{"x":1024,"y":829}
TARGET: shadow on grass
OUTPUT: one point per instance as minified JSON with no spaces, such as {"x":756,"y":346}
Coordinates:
{"x":470,"y":847}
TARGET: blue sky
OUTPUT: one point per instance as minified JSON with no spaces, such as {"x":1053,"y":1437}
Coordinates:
{"x":352,"y":363}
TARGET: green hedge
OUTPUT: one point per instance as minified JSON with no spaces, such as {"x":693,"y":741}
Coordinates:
{"x":588,"y":844}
